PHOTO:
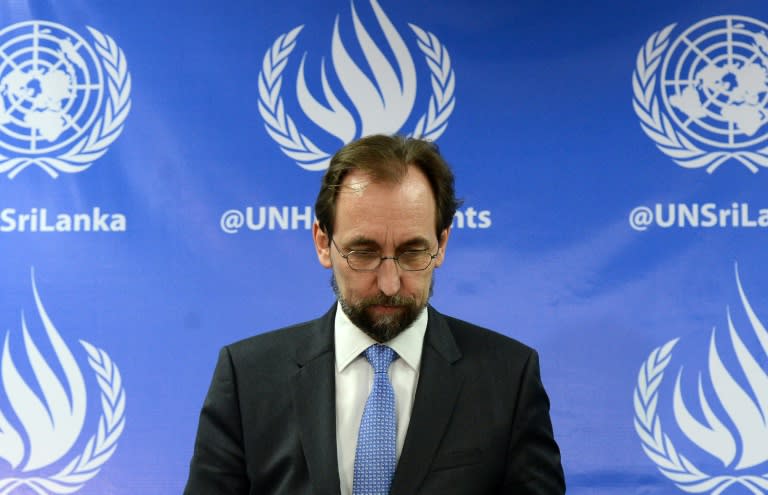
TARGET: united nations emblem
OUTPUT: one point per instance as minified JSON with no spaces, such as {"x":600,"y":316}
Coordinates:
{"x":41,"y":428}
{"x":703,"y":97}
{"x":720,"y":411}
{"x":380,"y":96}
{"x":63,"y":101}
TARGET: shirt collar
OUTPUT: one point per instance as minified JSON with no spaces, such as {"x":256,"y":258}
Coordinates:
{"x":350,"y":341}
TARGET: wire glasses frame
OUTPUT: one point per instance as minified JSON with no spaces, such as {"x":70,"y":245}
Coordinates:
{"x":370,"y":261}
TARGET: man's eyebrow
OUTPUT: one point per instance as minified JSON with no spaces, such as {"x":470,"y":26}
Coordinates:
{"x":420,"y":242}
{"x":417,"y":242}
{"x":362,"y":241}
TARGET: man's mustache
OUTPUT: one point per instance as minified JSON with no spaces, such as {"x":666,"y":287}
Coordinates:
{"x":385,"y":300}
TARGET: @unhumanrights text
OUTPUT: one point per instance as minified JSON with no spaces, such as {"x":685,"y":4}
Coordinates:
{"x":302,"y":217}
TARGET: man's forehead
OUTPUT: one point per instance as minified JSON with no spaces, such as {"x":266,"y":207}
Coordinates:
{"x":399,"y":210}
{"x":356,"y":182}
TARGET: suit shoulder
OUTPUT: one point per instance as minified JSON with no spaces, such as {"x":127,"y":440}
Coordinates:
{"x":275,"y":348}
{"x":274,"y":337}
{"x":468,"y":336}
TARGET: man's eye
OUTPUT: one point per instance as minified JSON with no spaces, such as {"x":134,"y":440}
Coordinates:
{"x":365,"y":254}
{"x":412,"y":254}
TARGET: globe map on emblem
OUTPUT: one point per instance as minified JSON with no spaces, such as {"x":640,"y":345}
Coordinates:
{"x":714,"y":81}
{"x":50,"y":87}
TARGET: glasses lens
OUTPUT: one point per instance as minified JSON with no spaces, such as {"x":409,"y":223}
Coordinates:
{"x":414,"y":260}
{"x":363,"y":260}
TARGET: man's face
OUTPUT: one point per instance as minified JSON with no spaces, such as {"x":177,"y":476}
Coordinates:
{"x":389,"y":219}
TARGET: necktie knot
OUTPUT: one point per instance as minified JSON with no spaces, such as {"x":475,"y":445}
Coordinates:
{"x":380,"y":356}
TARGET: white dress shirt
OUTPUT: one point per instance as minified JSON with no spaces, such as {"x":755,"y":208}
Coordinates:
{"x":354,"y":379}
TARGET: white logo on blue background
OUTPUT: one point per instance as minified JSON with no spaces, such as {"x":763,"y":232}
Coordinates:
{"x":380,"y":91}
{"x":63,"y":101}
{"x":41,"y":429}
{"x":703,"y":97}
{"x":720,"y":413}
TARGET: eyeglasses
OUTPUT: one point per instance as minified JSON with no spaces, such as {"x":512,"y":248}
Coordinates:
{"x":369,"y":261}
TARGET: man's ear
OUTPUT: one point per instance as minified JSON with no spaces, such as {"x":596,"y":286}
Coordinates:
{"x":322,"y":245}
{"x":442,"y":244}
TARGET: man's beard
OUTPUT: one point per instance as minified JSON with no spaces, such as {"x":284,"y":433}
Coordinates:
{"x":385,"y":327}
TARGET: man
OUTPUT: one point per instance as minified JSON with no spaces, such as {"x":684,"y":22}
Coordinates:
{"x":383,"y":394}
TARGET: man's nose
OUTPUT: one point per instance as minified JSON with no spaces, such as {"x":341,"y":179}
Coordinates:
{"x":388,"y":277}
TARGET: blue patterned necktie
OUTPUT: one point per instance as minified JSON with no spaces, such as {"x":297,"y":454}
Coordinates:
{"x":376,"y":454}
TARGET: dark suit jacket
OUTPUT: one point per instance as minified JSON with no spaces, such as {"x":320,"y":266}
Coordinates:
{"x":480,"y":421}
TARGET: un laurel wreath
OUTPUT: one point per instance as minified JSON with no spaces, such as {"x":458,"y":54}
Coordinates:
{"x":657,"y":125}
{"x":81,"y":155}
{"x":299,"y":147}
{"x":659,"y":447}
{"x":99,"y":448}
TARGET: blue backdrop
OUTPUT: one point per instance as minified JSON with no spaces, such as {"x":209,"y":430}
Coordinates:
{"x":159,"y":162}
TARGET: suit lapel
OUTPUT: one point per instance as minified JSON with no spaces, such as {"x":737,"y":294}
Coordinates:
{"x":315,"y":401}
{"x":438,"y":389}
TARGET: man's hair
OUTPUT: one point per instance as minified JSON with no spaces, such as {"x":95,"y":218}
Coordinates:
{"x":386,"y":159}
